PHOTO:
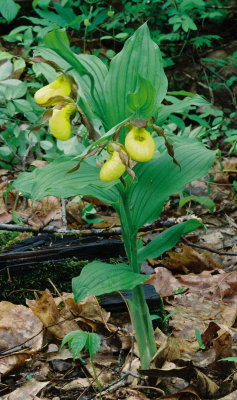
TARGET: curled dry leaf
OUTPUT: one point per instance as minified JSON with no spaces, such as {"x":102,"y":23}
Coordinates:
{"x":222,"y":175}
{"x":74,"y":211}
{"x":206,"y":387}
{"x":20,"y":330}
{"x":5,"y":216}
{"x":189,"y":260}
{"x":9,"y":363}
{"x":46,"y":310}
{"x":88,"y":308}
{"x":164,"y":282}
{"x":44,"y":211}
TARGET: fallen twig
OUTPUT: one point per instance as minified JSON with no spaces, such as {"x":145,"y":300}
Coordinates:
{"x":221,"y":253}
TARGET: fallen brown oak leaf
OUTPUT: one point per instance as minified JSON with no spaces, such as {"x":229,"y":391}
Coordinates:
{"x":20,"y":334}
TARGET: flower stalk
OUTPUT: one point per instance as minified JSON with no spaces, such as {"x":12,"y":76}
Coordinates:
{"x":141,"y":320}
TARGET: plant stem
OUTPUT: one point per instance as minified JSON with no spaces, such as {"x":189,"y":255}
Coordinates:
{"x":139,"y":311}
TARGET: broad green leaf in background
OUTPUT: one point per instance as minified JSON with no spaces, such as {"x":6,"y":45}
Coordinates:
{"x":179,"y":106}
{"x":12,"y":89}
{"x":99,"y":278}
{"x":69,"y":337}
{"x":167,"y":239}
{"x":62,"y":20}
{"x":9,"y":9}
{"x":159,"y":178}
{"x":139,"y":57}
{"x":6,"y":69}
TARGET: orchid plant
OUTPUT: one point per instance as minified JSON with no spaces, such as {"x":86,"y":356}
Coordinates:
{"x":121,"y":108}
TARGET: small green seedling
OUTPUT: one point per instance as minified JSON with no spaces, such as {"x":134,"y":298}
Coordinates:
{"x":88,"y":341}
{"x":199,"y":339}
{"x":88,"y":214}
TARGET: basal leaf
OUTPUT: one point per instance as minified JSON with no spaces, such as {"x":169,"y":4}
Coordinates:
{"x":159,"y":178}
{"x":99,"y":278}
{"x":167,"y":239}
{"x":54,"y":180}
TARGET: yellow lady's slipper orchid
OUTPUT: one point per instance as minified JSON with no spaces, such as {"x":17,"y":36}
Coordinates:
{"x":139,"y":144}
{"x":113,"y":168}
{"x":59,"y":123}
{"x":60,"y":87}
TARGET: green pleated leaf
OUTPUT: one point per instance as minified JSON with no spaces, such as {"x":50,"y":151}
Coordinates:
{"x":159,"y":178}
{"x":54,"y":180}
{"x":139,"y":57}
{"x":99,"y":278}
{"x":97,"y":71}
{"x":57,"y":40}
{"x":167,"y":239}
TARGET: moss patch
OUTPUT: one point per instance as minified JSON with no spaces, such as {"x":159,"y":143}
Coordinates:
{"x":22,"y":281}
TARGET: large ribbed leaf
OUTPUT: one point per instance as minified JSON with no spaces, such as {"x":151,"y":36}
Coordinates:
{"x":160,"y":178}
{"x":98,"y":70}
{"x":57,"y":40}
{"x":140,"y":57}
{"x":54,"y":180}
{"x":99,"y":278}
